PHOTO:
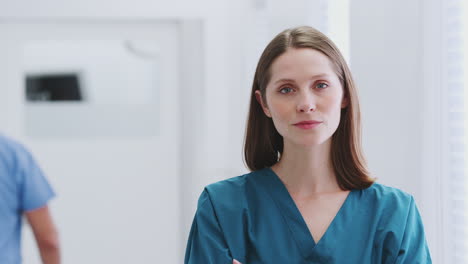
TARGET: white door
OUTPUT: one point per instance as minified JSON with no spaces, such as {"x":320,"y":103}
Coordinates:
{"x":113,"y":156}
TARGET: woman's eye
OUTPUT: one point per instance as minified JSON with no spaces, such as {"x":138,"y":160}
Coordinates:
{"x":286,"y":90}
{"x":322,"y":85}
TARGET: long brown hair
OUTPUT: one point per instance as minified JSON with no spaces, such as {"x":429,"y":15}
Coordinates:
{"x":264,"y":145}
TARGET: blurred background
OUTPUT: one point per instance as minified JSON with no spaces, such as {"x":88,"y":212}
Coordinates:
{"x":132,"y":107}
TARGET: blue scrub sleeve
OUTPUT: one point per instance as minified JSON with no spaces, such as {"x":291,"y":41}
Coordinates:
{"x":413,"y":249}
{"x":206,"y":243}
{"x":35,"y":190}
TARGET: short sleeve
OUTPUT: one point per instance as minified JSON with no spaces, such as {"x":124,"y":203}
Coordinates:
{"x":206,"y":243}
{"x":413,"y":249}
{"x":35,"y":190}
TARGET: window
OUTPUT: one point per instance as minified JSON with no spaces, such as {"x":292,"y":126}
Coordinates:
{"x":455,"y":66}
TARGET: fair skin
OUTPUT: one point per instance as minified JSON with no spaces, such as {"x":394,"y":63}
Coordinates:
{"x":45,"y":233}
{"x":303,"y":86}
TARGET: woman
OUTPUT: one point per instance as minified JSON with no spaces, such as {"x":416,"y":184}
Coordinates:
{"x":309,"y":197}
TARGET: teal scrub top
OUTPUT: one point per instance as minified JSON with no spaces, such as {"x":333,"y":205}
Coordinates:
{"x":252,"y":218}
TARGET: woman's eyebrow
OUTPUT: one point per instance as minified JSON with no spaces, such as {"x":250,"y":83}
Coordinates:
{"x":320,"y":75}
{"x":284,"y":80}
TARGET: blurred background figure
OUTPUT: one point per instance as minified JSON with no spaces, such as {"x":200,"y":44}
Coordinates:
{"x":24,"y":191}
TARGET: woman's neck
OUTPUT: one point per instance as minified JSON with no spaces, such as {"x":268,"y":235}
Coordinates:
{"x":307,"y":171}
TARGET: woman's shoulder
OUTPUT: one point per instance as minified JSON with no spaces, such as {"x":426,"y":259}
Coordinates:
{"x":227,"y":184}
{"x":232,"y":192}
{"x":233,"y":186}
{"x":382,"y":190}
{"x":387,"y":197}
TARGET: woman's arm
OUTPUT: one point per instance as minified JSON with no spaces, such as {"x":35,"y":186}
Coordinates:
{"x":413,"y":248}
{"x":206,"y":243}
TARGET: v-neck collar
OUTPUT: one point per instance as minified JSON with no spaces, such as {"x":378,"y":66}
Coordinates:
{"x":294,"y":219}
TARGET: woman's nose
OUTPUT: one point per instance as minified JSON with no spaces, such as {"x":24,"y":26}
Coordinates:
{"x":306,"y":104}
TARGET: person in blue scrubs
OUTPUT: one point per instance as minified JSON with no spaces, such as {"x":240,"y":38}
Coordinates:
{"x":24,"y":191}
{"x":309,"y":197}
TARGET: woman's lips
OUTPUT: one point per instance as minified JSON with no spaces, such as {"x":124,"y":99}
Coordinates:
{"x":308,"y":124}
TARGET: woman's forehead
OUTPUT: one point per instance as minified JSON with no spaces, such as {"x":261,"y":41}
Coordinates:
{"x":301,"y":63}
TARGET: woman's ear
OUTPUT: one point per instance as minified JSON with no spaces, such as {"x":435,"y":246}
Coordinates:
{"x":344,"y":102}
{"x":259,"y":98}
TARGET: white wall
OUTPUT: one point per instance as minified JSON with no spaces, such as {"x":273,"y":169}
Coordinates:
{"x":205,"y":148}
{"x":394,"y":61}
{"x":386,"y":63}
{"x":112,"y":190}
{"x":71,"y":207}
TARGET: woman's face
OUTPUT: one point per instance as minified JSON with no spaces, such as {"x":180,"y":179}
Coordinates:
{"x":303,"y":88}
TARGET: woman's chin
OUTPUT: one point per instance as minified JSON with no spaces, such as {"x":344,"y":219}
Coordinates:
{"x":310,"y":143}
